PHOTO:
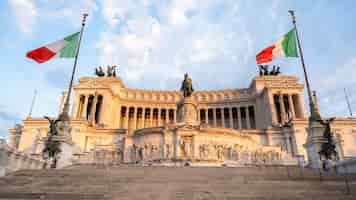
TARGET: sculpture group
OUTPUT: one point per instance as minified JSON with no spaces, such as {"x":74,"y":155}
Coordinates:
{"x":51,"y":147}
{"x":110,"y":72}
{"x":328,"y":148}
{"x":263,"y":69}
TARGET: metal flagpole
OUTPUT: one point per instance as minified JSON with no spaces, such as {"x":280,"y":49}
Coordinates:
{"x":313,"y":114}
{"x":65,"y":113}
{"x":33,"y":103}
{"x":348,"y":102}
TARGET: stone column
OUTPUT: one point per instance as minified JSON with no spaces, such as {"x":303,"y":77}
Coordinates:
{"x":167,"y":116}
{"x":248,"y":123}
{"x":151,"y":117}
{"x":206,"y":116}
{"x":291,"y":106}
{"x":144,"y":118}
{"x":214,"y":117}
{"x":135,"y":118}
{"x":127,"y":117}
{"x":159,"y":121}
{"x":282,"y":108}
{"x":301,"y":106}
{"x":198,"y":115}
{"x":239,"y":121}
{"x":222,"y":117}
{"x":174,"y":116}
{"x":118,"y":123}
{"x":230,"y":117}
{"x":273,"y":109}
{"x":76,"y":109}
{"x":93,"y":110}
{"x":84,"y":110}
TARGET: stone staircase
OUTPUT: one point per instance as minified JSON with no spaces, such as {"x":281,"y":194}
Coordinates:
{"x":178,"y":183}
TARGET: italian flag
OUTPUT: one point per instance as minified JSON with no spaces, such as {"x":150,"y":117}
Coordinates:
{"x":284,"y":47}
{"x":65,"y":48}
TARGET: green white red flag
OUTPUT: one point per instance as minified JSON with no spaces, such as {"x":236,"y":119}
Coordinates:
{"x":284,"y":47}
{"x":64,"y":48}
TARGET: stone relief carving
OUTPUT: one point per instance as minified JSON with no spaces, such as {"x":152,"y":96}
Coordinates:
{"x":236,"y":152}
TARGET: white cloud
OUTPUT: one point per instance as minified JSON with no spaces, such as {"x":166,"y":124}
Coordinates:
{"x":30,"y":12}
{"x":331,"y":89}
{"x":342,"y":76}
{"x":169,"y":42}
{"x":26,"y":14}
{"x":116,"y":11}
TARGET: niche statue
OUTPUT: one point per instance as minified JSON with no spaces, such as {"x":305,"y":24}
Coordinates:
{"x":187,"y":86}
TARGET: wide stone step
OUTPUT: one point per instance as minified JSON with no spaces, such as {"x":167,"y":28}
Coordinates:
{"x":52,"y":196}
{"x":132,"y":182}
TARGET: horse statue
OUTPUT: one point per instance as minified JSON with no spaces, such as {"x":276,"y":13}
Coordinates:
{"x":99,"y":72}
{"x":275,"y":71}
{"x":187,"y":86}
{"x":111,"y":71}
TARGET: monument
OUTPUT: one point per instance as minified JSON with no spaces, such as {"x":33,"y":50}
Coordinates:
{"x":264,"y":124}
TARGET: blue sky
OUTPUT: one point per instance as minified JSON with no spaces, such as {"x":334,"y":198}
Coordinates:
{"x":154,"y":42}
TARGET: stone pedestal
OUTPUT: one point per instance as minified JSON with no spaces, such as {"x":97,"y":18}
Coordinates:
{"x":66,"y":145}
{"x":67,"y":150}
{"x":314,"y":142}
{"x":188,"y":112}
{"x":313,"y":145}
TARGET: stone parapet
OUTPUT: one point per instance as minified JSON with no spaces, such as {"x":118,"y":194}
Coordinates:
{"x":11,"y":160}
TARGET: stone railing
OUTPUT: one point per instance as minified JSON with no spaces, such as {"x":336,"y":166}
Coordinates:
{"x":12,"y":160}
{"x":346,"y":166}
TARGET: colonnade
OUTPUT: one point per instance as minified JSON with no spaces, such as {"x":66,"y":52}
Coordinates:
{"x":236,"y":117}
{"x":132,"y":118}
{"x":90,"y":107}
{"x":287,"y":106}
{"x":138,"y":117}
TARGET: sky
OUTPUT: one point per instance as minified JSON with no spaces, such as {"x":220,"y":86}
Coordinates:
{"x":154,"y":42}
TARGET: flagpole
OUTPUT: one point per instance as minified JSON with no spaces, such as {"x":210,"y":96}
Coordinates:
{"x":313,"y":114}
{"x":348,"y":102}
{"x":33,"y":103}
{"x":65,"y":113}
